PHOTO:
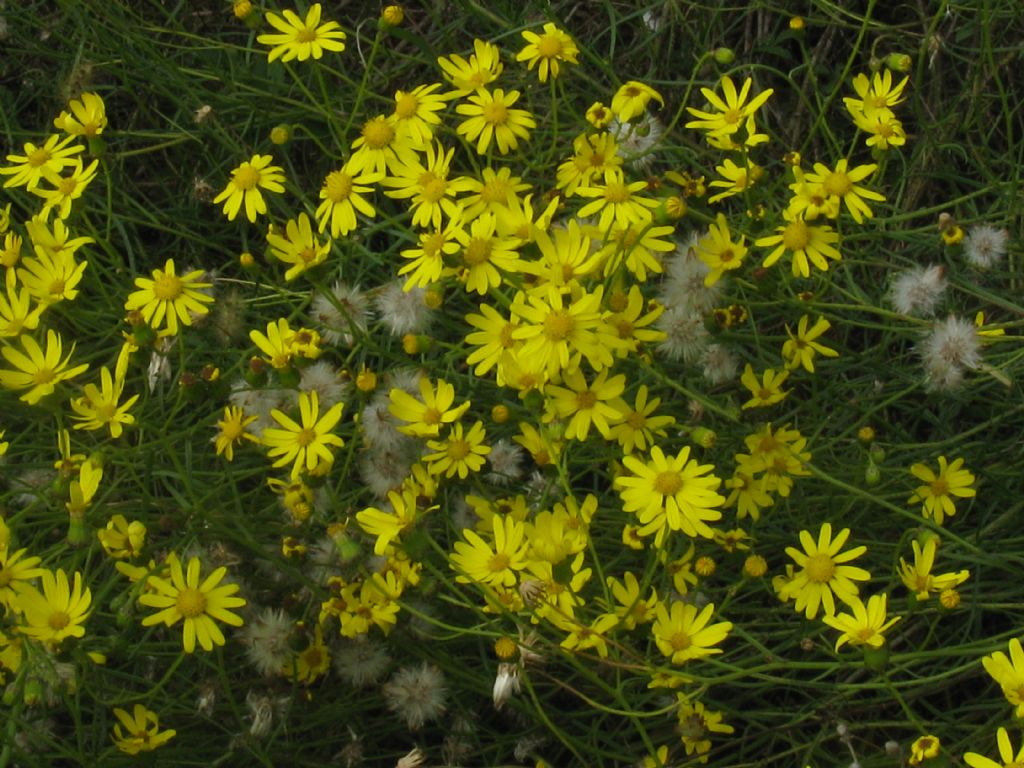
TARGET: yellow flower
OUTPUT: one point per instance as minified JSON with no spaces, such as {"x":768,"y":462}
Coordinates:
{"x":841,"y":186}
{"x":141,"y":731}
{"x":682,"y":633}
{"x":805,"y":242}
{"x":801,"y":348}
{"x":342,"y":195}
{"x":300,"y":39}
{"x":122,"y":540}
{"x":244,"y":187}
{"x":1006,"y":754}
{"x":460,"y":453}
{"x":427,"y":186}
{"x":415,"y":116}
{"x":918,"y":578}
{"x":936,"y":496}
{"x":423,"y":417}
{"x":305,"y":445}
{"x":169,"y":298}
{"x":493,"y":562}
{"x":924,"y":748}
{"x":617,"y":201}
{"x":483,"y":67}
{"x":37,"y":371}
{"x":98,"y":408}
{"x":298,"y":246}
{"x":66,"y":189}
{"x":231,"y":431}
{"x":865,"y":625}
{"x":1008,"y":672}
{"x":15,"y":571}
{"x":547,"y":50}
{"x":198,"y":604}
{"x":54,"y":155}
{"x":823,"y":573}
{"x":719,"y":252}
{"x":56,"y":613}
{"x":671,"y":493}
{"x":490,"y":115}
{"x":767,"y":391}
{"x":583,"y":404}
{"x":733,"y":113}
{"x":16,"y":311}
{"x":87,"y":116}
{"x":632,"y":98}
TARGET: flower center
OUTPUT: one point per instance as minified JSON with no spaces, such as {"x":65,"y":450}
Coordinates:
{"x":59,"y":620}
{"x":6,"y":577}
{"x":838,"y":184}
{"x":378,"y":133}
{"x":458,"y":450}
{"x":67,"y":186}
{"x":431,"y":416}
{"x":559,"y":325}
{"x":38,"y":157}
{"x":498,"y":562}
{"x":246,"y":177}
{"x":616,"y":192}
{"x":667,"y":483}
{"x":796,"y":236}
{"x":680,"y":641}
{"x":338,"y":186}
{"x":586,"y":399}
{"x":733,"y":116}
{"x":167,"y":287}
{"x":434,"y":189}
{"x":820,"y":568}
{"x":406,"y":106}
{"x":477,"y":252}
{"x":494,"y":191}
{"x":43,"y":376}
{"x":939,"y":487}
{"x":191,"y":603}
{"x":305,"y":437}
{"x":495,"y":113}
{"x":306,"y":35}
{"x":549,"y":47}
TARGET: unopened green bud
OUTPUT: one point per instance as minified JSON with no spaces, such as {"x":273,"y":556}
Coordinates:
{"x":872,"y":474}
{"x":877,"y":454}
{"x":899,"y":62}
{"x":280,"y":134}
{"x":876,"y":659}
{"x":724,"y":56}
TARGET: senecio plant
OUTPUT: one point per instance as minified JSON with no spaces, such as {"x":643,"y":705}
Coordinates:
{"x":505,"y":408}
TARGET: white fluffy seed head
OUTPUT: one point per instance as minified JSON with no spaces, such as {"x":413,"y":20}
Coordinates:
{"x":416,"y":694}
{"x":403,"y":311}
{"x":985,"y":246}
{"x":685,"y":335}
{"x":949,"y":348}
{"x":918,"y":290}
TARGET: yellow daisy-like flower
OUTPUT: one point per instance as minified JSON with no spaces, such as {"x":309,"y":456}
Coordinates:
{"x":37,"y":371}
{"x":719,"y":252}
{"x":302,"y":38}
{"x":823,"y":574}
{"x":460,"y":453}
{"x":919,"y":579}
{"x":305,"y":444}
{"x":618,"y":201}
{"x":547,"y":50}
{"x":632,"y":98}
{"x":139,"y":731}
{"x":1008,"y":672}
{"x":841,"y":185}
{"x":800,"y":348}
{"x":483,"y":66}
{"x":54,"y":155}
{"x":100,"y":407}
{"x":924,"y":748}
{"x":15,"y":570}
{"x":121,"y":539}
{"x":936,"y":496}
{"x":58,"y":611}
{"x":864,"y":625}
{"x":671,"y":493}
{"x":807,"y":243}
{"x":169,"y":298}
{"x":766,"y":391}
{"x":494,"y":563}
{"x":198,"y":604}
{"x":298,"y":246}
{"x":85,"y":116}
{"x":682,"y":633}
{"x":244,"y":187}
{"x":231,"y":431}
{"x":490,"y":115}
{"x":1006,"y":754}
{"x":733,"y":113}
{"x":342,"y":195}
{"x":423,"y":417}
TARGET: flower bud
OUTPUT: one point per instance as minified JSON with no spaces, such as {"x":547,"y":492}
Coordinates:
{"x":366,"y":380}
{"x":872,"y":474}
{"x":499,"y":414}
{"x":723,"y":56}
{"x":900,"y":62}
{"x":391,"y":16}
{"x":280,"y":134}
